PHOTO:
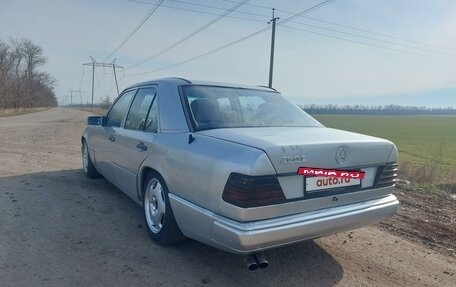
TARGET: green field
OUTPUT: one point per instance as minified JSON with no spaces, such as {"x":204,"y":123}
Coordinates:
{"x":421,"y":140}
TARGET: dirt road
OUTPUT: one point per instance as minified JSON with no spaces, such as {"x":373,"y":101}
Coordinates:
{"x":58,"y":228}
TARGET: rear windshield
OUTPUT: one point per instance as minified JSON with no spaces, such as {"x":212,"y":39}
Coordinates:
{"x":224,"y":107}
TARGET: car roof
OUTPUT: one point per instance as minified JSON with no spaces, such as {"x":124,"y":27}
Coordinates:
{"x":181,"y":81}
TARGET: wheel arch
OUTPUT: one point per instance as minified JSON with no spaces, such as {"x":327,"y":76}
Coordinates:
{"x":173,"y":233}
{"x":142,"y":176}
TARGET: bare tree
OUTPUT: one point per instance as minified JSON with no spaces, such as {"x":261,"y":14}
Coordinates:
{"x":22,"y":84}
{"x":33,"y":56}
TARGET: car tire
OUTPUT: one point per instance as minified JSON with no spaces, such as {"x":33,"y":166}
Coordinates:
{"x":158,"y":215}
{"x":87,"y":165}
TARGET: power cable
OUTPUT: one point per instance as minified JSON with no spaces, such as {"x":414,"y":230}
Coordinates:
{"x":82,"y":78}
{"x":114,"y":85}
{"x":305,"y":17}
{"x":363,"y":43}
{"x":120,"y":24}
{"x":201,"y":5}
{"x":380,"y":34}
{"x":252,"y":5}
{"x":360,"y":36}
{"x":200,"y":29}
{"x":352,"y":28}
{"x":202,"y":55}
{"x":321,"y":4}
{"x":315,"y":7}
{"x":206,"y":12}
{"x":370,"y":38}
{"x":143,"y":20}
{"x":315,"y":26}
{"x":309,"y":25}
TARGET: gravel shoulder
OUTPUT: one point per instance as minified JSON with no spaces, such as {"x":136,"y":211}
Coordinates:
{"x":58,"y":228}
{"x":426,"y":218}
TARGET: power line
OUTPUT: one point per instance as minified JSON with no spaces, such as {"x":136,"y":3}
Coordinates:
{"x":236,"y":41}
{"x":290,"y":27}
{"x":77,"y":92}
{"x":114,"y":86}
{"x":320,"y":27}
{"x":380,"y":34}
{"x":100,"y":80}
{"x":82,"y":77}
{"x":206,"y":12}
{"x":369,"y":38}
{"x":120,"y":24}
{"x":202,"y":28}
{"x":143,"y":20}
{"x":305,"y":24}
{"x":290,"y":19}
{"x":307,"y":11}
{"x":204,"y":54}
{"x":354,"y":28}
{"x":253,"y":5}
{"x":313,"y":26}
{"x":201,"y":5}
{"x":362,"y":43}
{"x":310,"y":25}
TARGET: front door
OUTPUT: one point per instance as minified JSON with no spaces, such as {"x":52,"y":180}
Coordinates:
{"x":134,"y":142}
{"x":103,"y":137}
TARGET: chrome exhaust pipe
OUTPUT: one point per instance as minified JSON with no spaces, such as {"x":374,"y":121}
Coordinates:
{"x":252,"y":264}
{"x":255,"y":261}
{"x":261,"y":260}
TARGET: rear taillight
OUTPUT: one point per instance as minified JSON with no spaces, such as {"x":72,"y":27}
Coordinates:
{"x":252,"y":191}
{"x":387,"y":175}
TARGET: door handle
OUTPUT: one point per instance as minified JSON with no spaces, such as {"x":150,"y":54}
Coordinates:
{"x":141,"y":146}
{"x":112,"y":138}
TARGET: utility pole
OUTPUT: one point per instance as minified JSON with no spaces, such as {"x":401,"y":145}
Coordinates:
{"x":71,"y":91}
{"x":94,"y":64}
{"x":115,"y":77}
{"x":68,"y":96}
{"x":271,"y":60}
{"x":93,"y":80}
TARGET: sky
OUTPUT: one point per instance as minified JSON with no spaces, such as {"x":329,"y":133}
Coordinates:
{"x":369,"y":52}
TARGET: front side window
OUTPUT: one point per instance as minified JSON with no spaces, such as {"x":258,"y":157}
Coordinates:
{"x":119,"y":109}
{"x":224,"y":107}
{"x":136,"y":119}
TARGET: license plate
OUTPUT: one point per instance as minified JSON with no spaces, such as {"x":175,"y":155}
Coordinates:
{"x":317,"y":183}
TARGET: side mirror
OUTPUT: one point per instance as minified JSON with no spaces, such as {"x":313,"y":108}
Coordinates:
{"x":96,"y":120}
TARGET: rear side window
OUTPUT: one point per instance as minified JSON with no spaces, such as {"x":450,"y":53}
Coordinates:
{"x":152,"y":118}
{"x":140,"y":108}
{"x":119,"y":109}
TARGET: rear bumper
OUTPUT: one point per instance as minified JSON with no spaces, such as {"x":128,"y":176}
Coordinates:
{"x":246,"y":237}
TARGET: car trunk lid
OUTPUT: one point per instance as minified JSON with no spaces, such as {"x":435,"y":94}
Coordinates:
{"x":318,"y":147}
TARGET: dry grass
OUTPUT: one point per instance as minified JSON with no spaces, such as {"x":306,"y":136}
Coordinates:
{"x":433,"y":171}
{"x":95,"y":111}
{"x":19,"y":111}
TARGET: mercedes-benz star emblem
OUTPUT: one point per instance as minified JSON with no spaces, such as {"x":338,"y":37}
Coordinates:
{"x":341,"y":155}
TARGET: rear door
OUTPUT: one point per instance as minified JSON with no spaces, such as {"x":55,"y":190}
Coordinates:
{"x":134,"y":141}
{"x":103,"y":137}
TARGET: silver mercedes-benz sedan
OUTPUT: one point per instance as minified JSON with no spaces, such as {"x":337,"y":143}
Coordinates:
{"x":219,"y":163}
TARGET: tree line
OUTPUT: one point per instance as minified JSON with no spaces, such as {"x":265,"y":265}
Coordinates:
{"x":22,"y":83}
{"x":376,"y":110}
